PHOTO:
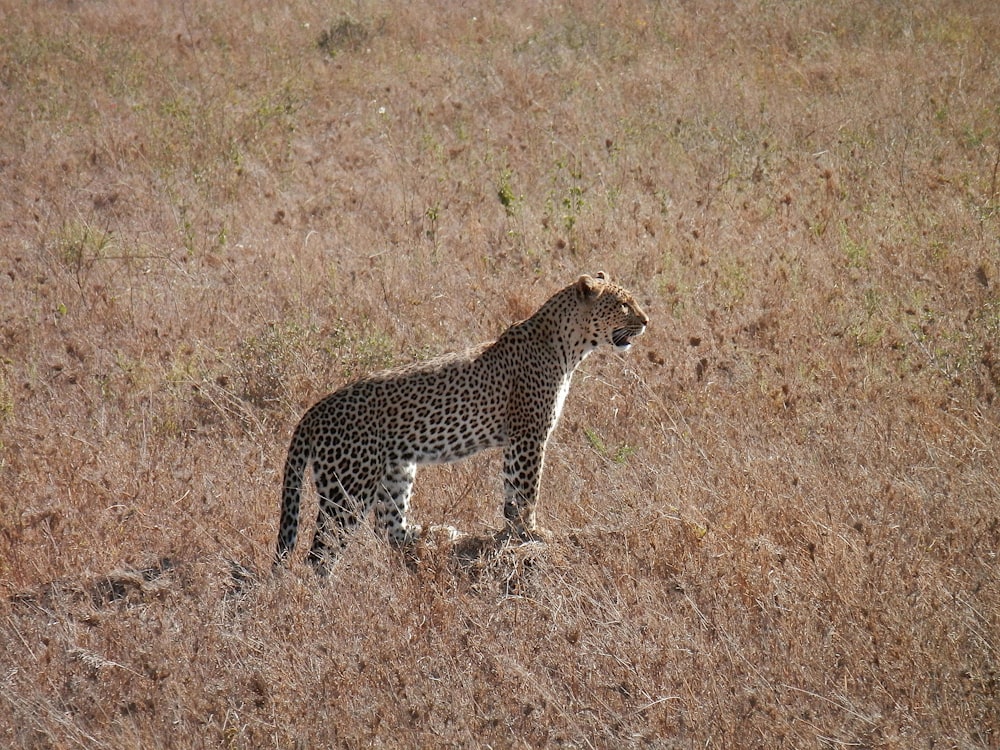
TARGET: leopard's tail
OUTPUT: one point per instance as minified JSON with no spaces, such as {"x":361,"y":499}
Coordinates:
{"x":291,"y":494}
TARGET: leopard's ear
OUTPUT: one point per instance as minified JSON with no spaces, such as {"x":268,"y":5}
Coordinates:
{"x":589,"y":288}
{"x":602,"y":276}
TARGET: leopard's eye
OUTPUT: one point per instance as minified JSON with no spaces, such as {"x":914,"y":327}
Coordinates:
{"x":625,"y":308}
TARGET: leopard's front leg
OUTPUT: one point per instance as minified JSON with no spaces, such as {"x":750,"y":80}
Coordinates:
{"x":522,"y":472}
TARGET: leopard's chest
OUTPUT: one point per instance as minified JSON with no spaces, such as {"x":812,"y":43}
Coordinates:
{"x":560,"y":400}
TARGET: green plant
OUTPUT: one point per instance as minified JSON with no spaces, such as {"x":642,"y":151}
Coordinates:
{"x":505,"y":192}
{"x":619,"y":455}
{"x":569,"y":191}
{"x":856,"y":253}
{"x":79,"y":244}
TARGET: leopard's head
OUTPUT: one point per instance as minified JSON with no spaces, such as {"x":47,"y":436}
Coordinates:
{"x":612,"y":314}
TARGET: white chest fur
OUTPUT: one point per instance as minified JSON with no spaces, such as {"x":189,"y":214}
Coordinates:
{"x":560,"y":400}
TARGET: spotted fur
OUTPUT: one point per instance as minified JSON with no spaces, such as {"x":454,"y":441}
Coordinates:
{"x":365,"y":441}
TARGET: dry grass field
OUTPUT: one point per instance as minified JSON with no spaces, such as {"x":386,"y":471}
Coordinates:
{"x":775,"y":521}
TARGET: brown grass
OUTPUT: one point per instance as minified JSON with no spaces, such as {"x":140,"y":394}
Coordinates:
{"x":776,"y":520}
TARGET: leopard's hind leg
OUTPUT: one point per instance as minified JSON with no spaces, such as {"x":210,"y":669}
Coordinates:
{"x":393,"y":504}
{"x":339,"y":514}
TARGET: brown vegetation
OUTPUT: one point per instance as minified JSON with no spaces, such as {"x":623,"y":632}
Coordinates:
{"x":776,"y":520}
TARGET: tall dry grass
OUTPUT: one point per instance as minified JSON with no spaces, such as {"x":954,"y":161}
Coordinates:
{"x":776,"y":520}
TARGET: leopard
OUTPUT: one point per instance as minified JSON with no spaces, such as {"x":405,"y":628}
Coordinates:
{"x":365,"y":441}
